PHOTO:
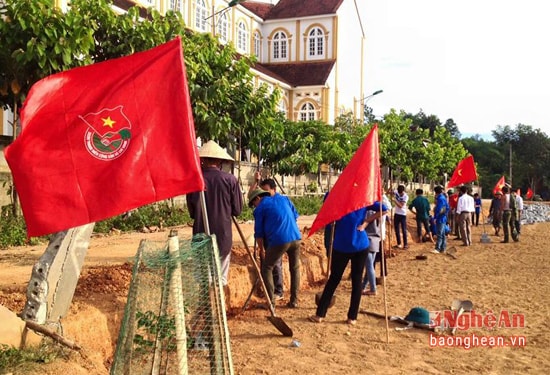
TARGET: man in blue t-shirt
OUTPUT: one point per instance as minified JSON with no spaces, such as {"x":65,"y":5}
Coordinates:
{"x":441,"y":210}
{"x":275,"y":221}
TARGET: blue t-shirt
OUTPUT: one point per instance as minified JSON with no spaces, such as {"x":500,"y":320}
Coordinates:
{"x":347,"y":239}
{"x":477,"y":202}
{"x":441,"y":209}
{"x":275,"y":221}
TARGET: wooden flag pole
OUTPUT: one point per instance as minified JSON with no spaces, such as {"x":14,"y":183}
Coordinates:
{"x":383,"y":266}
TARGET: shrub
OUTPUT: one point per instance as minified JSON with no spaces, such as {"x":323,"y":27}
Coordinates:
{"x":13,"y":230}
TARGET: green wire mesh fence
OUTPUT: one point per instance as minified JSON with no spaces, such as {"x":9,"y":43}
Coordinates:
{"x":174,"y":321}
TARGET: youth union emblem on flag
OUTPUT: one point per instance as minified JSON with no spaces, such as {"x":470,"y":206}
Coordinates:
{"x":108,"y":133}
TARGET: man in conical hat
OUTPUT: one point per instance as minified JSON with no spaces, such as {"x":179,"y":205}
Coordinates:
{"x":223,"y":200}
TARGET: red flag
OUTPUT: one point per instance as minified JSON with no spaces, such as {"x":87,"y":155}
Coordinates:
{"x":529,"y":193}
{"x":465,"y":172}
{"x":358,"y":186}
{"x":103,"y":139}
{"x":500,"y":184}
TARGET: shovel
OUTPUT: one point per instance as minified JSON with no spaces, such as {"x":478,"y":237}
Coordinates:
{"x":278,"y":322}
{"x":462,"y":306}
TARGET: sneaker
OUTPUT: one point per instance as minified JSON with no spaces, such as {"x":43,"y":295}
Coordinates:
{"x":369,"y":293}
{"x":292,"y":305}
{"x":278,"y":297}
{"x":435,"y":251}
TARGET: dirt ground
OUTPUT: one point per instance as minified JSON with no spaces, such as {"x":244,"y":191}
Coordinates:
{"x":502,"y":280}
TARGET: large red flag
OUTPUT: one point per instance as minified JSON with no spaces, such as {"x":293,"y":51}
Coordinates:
{"x":529,"y":193}
{"x":103,"y":139}
{"x":358,"y":186}
{"x":465,"y":172}
{"x":500,"y":184}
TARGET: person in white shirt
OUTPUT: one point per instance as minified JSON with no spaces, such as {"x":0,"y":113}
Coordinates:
{"x":400,"y":199}
{"x":517,"y":217}
{"x":464,"y":208}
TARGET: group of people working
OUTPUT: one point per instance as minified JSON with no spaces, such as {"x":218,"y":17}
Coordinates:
{"x":276,"y":230}
{"x":355,"y":238}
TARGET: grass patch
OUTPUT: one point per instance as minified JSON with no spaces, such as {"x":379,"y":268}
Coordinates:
{"x":22,"y":361}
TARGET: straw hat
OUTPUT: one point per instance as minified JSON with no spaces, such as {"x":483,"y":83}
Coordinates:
{"x":212,"y":150}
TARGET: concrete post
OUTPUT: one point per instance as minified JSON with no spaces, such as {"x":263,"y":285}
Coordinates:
{"x":55,"y":275}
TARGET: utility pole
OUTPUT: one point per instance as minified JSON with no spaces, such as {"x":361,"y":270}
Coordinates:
{"x":511,"y":185}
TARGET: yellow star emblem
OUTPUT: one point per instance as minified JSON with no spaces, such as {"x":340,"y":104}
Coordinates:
{"x":108,"y":122}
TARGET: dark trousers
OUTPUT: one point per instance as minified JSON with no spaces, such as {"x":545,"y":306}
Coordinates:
{"x":400,"y":225}
{"x":272,"y":255}
{"x":379,"y":259}
{"x":476,"y":221}
{"x":422,"y":223}
{"x":278,"y":277}
{"x":338,"y":265}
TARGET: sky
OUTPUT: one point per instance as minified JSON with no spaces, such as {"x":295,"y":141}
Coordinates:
{"x":481,"y":63}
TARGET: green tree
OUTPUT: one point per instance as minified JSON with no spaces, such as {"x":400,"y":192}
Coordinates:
{"x":395,"y":144}
{"x":38,"y":40}
{"x":530,"y":154}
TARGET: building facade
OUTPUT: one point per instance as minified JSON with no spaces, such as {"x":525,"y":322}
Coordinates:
{"x":312,"y":50}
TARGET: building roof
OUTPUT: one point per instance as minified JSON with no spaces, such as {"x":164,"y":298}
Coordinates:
{"x":258,"y":8}
{"x":302,"y":8}
{"x":299,"y":74}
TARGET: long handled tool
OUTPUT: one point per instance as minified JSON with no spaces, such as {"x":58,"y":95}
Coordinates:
{"x":399,"y":320}
{"x":278,"y":322}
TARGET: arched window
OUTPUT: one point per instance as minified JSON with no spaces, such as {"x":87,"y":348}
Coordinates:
{"x":280,"y":46}
{"x":307,"y":112}
{"x":282,"y":107}
{"x":257,"y":45}
{"x":242,"y":37}
{"x":222,"y":27}
{"x":316,"y":42}
{"x":201,"y":13}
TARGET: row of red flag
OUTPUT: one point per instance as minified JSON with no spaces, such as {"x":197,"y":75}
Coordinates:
{"x":502,"y":182}
{"x":466,"y":172}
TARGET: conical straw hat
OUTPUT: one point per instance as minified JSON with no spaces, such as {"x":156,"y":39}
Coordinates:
{"x":212,"y":150}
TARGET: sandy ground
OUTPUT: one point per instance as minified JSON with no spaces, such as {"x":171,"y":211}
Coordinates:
{"x":500,"y":280}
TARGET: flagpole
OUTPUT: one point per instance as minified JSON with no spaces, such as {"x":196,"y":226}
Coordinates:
{"x":204,"y":213}
{"x":383,"y":265}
